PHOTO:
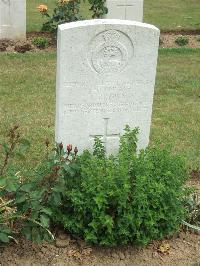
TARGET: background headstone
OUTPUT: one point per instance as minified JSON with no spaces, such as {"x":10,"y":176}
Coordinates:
{"x":12,"y":19}
{"x":105,"y":80}
{"x":125,"y":9}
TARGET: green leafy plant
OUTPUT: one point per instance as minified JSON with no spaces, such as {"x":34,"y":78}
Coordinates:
{"x":107,"y":200}
{"x":65,"y":11}
{"x":98,"y":8}
{"x":182,"y":40}
{"x":68,"y":11}
{"x":42,"y":195}
{"x":9,"y":181}
{"x":124,"y":198}
{"x":40,"y":42}
{"x":18,"y":214}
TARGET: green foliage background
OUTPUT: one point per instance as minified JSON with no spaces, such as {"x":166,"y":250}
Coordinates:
{"x":124,"y":198}
{"x":70,"y":11}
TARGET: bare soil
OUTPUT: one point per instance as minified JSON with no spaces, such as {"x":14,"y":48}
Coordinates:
{"x":181,"y":250}
{"x":167,"y":40}
{"x":22,"y":46}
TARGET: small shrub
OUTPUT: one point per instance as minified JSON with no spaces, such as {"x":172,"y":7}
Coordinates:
{"x":40,"y":42}
{"x":98,"y":8}
{"x":107,"y":200}
{"x":125,"y":198}
{"x":198,"y":39}
{"x":182,"y":40}
{"x":9,"y":182}
{"x":68,"y":11}
{"x":64,"y":11}
{"x":20,"y":212}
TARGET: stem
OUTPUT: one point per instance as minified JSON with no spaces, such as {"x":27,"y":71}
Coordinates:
{"x":5,"y":163}
{"x":13,"y":140}
{"x":194,"y":227}
{"x":6,"y":203}
{"x":35,"y":222}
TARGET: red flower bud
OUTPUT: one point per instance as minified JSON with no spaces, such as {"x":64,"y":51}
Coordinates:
{"x":69,"y":148}
{"x":75,"y":150}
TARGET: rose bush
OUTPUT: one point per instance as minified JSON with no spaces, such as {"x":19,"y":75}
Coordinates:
{"x":68,"y":11}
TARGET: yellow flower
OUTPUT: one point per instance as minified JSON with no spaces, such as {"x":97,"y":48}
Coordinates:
{"x":42,"y":8}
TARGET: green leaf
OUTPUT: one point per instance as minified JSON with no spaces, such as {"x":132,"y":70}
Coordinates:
{"x":4,"y":238}
{"x":21,"y":199}
{"x":47,"y":211}
{"x":3,"y":182}
{"x":26,"y":187}
{"x":36,"y":235}
{"x":56,"y":198}
{"x":6,"y":230}
{"x":44,"y":220}
{"x":27,"y":232}
{"x":11,"y":185}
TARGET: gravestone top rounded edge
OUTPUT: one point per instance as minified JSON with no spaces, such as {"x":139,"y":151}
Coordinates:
{"x":94,"y":22}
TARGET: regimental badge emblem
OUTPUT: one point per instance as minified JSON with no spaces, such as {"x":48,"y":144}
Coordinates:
{"x":110,"y":52}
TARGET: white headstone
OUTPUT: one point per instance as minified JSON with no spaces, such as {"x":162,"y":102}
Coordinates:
{"x":125,"y":9}
{"x":12,"y":19}
{"x":105,"y":80}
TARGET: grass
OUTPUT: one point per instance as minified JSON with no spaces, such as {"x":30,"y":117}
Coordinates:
{"x":167,"y":15}
{"x":176,"y":110}
{"x":28,"y":98}
{"x":172,"y":14}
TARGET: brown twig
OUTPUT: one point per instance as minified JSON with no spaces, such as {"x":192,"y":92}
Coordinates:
{"x":13,"y":139}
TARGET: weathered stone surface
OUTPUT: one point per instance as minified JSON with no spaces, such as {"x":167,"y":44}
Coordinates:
{"x":105,"y":79}
{"x":125,"y":9}
{"x":12,"y":19}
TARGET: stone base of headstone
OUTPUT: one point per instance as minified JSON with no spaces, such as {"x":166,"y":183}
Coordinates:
{"x":125,"y":9}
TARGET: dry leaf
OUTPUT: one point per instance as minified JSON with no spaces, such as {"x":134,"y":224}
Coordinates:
{"x":164,"y":248}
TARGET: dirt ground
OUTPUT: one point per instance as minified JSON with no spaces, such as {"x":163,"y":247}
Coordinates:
{"x":167,"y":40}
{"x":181,"y":250}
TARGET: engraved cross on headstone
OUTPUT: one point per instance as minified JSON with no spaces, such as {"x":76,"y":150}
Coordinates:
{"x":125,"y":5}
{"x":105,"y":136}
